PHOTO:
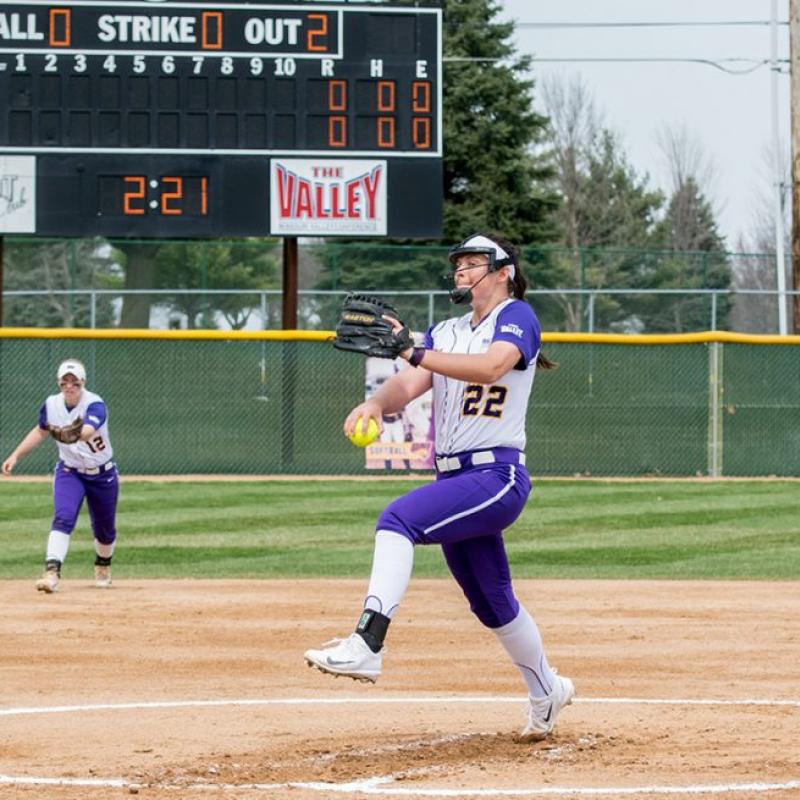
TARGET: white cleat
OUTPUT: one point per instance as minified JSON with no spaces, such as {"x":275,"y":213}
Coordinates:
{"x":102,"y":577}
{"x":543,"y":711}
{"x":350,"y":657}
{"x":48,"y":583}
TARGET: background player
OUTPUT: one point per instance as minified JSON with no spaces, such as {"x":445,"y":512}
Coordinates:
{"x":481,"y":367}
{"x":411,"y":424}
{"x":78,"y":420}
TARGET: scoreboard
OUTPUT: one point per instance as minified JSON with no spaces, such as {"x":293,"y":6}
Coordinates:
{"x":190,"y":118}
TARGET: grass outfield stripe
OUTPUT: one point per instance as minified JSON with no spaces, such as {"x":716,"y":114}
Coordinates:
{"x":302,"y":528}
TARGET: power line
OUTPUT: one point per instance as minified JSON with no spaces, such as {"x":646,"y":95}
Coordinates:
{"x":778,"y":65}
{"x":754,"y":64}
{"x":719,"y":23}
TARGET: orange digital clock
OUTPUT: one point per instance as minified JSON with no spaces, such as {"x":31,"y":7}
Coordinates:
{"x":139,"y":195}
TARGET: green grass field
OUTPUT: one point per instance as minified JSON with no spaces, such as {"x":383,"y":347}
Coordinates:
{"x":280,"y":529}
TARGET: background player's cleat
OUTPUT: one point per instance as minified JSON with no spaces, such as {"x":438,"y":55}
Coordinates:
{"x":102,"y":577}
{"x":350,"y":657}
{"x":543,"y":711}
{"x":48,"y":583}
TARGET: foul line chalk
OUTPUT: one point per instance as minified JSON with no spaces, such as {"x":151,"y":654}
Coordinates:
{"x":33,"y":781}
{"x":300,"y":701}
{"x":383,"y":786}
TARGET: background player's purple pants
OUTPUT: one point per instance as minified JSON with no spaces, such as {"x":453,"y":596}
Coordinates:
{"x":466,"y":512}
{"x":101,"y":492}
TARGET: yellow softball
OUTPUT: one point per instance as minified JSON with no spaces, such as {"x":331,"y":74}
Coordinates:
{"x":361,"y":438}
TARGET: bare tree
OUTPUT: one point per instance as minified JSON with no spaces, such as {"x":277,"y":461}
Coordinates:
{"x":755,"y":268}
{"x":57,"y":267}
{"x":606,"y":211}
{"x":761,"y":237}
{"x":685,"y":157}
{"x":690,"y":171}
{"x":575,"y":126}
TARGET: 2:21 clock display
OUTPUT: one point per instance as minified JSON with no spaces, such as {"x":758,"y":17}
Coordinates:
{"x":167,"y":195}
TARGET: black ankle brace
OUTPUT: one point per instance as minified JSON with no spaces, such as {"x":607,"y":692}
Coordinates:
{"x":372,"y":626}
{"x":102,"y":561}
{"x":53,"y":564}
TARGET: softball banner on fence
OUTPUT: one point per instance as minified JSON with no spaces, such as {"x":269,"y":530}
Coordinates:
{"x":407,"y":438}
{"x":328,"y":197}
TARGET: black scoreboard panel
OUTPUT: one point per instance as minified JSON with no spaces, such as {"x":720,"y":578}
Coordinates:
{"x":162,"y":117}
{"x":200,"y":196}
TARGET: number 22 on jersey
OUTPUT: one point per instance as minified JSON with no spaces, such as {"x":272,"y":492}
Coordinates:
{"x":485,"y":401}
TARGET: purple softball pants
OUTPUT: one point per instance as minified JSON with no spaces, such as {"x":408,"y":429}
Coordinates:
{"x":466,"y":511}
{"x":101,"y":492}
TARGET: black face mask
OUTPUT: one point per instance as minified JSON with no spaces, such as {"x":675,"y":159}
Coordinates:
{"x":463,"y":294}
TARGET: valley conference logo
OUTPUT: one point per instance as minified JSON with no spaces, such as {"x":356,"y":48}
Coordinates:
{"x":327,"y":197}
{"x":17,"y":194}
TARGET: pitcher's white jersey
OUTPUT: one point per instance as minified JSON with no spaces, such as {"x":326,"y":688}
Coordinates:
{"x":92,"y":453}
{"x":470,"y":416}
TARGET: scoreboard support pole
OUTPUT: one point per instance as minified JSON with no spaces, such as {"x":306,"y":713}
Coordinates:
{"x":289,"y":322}
{"x":289,"y":315}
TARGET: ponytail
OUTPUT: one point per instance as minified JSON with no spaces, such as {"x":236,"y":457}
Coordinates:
{"x":543,"y":362}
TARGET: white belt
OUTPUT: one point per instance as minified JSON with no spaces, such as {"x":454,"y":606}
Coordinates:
{"x":451,"y":463}
{"x":94,"y":470}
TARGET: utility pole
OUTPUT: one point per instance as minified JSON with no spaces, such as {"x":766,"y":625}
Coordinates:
{"x":794,"y":78}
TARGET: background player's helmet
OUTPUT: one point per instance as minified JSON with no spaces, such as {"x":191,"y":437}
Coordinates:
{"x":478,"y":243}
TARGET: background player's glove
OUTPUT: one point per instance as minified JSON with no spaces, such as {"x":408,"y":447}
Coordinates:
{"x":363,"y":329}
{"x":69,"y":434}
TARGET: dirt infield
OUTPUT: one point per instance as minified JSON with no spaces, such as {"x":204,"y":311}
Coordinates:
{"x":173,"y":689}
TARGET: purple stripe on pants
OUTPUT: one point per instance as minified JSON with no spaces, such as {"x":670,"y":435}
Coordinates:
{"x":101,"y":492}
{"x":466,"y":512}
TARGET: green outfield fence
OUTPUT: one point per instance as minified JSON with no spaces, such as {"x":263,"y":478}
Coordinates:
{"x":273,"y":402}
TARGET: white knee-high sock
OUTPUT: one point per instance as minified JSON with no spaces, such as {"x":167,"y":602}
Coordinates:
{"x":523,"y":643}
{"x":57,"y":546}
{"x":392,"y":562}
{"x":104,"y":550}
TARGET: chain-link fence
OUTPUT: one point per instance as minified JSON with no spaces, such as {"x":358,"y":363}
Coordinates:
{"x":236,"y":285}
{"x":231,"y":309}
{"x":245,"y":405}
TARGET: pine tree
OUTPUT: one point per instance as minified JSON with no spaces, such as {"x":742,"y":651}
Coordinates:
{"x":492,"y":178}
{"x":607,"y":212}
{"x":694,"y":258}
{"x":689,"y":223}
